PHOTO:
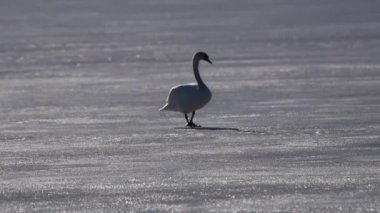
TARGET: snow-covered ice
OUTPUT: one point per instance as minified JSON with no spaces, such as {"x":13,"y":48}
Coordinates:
{"x":293,"y":126}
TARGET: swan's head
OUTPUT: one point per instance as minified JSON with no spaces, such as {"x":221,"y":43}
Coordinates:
{"x":202,"y":56}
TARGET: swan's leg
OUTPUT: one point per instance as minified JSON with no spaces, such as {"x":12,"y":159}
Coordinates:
{"x":191,"y":123}
{"x":187,"y":120}
{"x":192,"y":116}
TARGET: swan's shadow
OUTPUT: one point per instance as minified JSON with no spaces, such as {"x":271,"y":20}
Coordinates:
{"x":219,"y":129}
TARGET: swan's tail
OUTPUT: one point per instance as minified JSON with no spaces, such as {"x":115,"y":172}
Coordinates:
{"x":165,"y":108}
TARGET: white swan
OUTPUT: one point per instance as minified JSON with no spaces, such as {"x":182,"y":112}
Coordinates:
{"x":188,"y":98}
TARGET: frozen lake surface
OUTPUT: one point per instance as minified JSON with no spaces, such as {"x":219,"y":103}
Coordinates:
{"x":294,"y":123}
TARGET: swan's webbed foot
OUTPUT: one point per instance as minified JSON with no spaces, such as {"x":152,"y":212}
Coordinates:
{"x":191,"y":124}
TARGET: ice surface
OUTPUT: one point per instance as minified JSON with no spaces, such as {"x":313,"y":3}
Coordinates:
{"x":294,"y":123}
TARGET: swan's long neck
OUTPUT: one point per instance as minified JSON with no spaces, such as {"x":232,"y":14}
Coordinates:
{"x":196,"y":71}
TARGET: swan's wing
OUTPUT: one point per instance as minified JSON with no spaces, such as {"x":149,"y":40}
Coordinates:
{"x":182,"y":92}
{"x":178,"y":97}
{"x":186,"y":98}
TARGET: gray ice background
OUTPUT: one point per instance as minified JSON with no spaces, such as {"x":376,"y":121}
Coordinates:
{"x":293,"y":126}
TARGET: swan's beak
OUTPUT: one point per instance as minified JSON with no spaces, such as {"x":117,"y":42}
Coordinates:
{"x":208,"y":60}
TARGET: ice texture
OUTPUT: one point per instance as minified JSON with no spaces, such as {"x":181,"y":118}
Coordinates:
{"x":293,"y":126}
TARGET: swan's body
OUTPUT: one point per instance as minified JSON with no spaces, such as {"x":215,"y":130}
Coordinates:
{"x":188,"y":98}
